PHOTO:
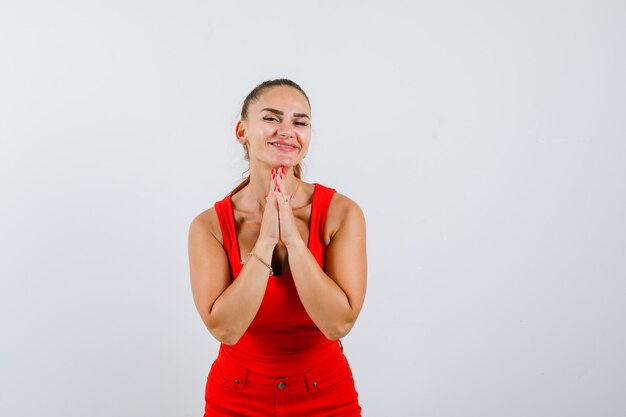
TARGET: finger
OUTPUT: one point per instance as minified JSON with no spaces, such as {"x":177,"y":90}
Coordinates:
{"x":280,"y":181}
{"x":282,"y":200}
{"x":270,"y":200}
{"x":274,"y":173}
{"x":273,"y":182}
{"x":278,"y":178}
{"x":277,"y":193}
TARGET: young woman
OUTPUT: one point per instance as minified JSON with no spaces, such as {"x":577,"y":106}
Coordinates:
{"x":278,"y":273}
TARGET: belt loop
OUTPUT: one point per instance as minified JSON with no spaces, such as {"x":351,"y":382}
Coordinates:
{"x":310,"y":380}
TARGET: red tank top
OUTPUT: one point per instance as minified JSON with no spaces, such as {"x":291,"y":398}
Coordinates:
{"x":282,"y":340}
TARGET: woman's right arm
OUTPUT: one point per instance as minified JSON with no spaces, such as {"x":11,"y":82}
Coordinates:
{"x":226,"y":307}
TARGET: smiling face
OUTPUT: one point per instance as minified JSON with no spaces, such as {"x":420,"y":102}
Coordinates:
{"x":277,"y":127}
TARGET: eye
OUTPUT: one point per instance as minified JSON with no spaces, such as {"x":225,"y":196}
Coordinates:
{"x":270,"y":119}
{"x":301,"y":123}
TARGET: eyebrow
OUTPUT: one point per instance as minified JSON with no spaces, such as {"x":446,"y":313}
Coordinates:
{"x":281,"y":113}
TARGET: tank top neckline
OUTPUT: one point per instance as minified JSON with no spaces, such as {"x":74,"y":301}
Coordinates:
{"x":235,"y":239}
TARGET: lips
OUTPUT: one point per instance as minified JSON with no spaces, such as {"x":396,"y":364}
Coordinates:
{"x":284,"y":146}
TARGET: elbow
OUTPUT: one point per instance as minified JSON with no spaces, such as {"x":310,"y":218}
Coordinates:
{"x":223,"y":334}
{"x":338,"y":330}
{"x":229,"y":341}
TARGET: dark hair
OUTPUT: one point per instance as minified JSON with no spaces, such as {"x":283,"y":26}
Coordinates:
{"x":254,"y":95}
{"x":266,"y":85}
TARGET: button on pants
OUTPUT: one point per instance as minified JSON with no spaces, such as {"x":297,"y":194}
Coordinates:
{"x":325,"y":391}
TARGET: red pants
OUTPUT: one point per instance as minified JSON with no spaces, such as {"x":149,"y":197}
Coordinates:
{"x":327,"y":390}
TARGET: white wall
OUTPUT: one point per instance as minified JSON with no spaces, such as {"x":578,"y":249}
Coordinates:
{"x":485,"y":142}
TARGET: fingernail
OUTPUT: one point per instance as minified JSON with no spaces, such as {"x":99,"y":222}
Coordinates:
{"x":265,"y":198}
{"x":278,"y":188}
{"x":283,"y":168}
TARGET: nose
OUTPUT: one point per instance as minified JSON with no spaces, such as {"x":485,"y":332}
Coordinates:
{"x":285,"y":129}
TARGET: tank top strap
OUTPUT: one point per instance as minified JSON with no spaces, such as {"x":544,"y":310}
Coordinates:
{"x":224,"y":211}
{"x":319,"y":210}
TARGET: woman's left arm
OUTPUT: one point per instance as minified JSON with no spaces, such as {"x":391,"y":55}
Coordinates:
{"x":333,"y":297}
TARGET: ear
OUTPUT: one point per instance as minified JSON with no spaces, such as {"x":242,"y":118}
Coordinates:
{"x":240,"y":131}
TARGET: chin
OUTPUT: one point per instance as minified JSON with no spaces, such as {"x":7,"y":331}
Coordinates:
{"x":287,"y":162}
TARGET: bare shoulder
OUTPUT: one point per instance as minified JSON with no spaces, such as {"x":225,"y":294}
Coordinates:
{"x":343,"y":212}
{"x":207,"y":224}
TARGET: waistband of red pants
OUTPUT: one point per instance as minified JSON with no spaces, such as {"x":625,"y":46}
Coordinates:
{"x":240,"y":376}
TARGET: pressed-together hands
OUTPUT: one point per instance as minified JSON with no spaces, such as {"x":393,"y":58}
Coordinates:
{"x":278,"y":224}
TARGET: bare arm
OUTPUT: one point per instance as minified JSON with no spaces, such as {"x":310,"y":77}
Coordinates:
{"x":333,"y":298}
{"x":228,"y":307}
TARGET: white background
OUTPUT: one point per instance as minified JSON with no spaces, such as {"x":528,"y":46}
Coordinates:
{"x":484,"y":140}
